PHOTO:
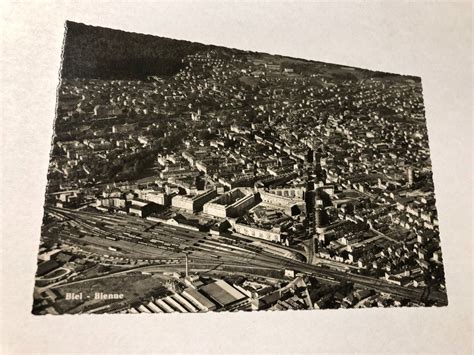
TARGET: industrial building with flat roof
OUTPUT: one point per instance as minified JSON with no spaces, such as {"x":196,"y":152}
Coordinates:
{"x":223,"y":293}
{"x":198,"y":299}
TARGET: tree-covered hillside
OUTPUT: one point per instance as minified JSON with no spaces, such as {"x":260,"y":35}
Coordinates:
{"x":96,"y":52}
{"x":103,"y":53}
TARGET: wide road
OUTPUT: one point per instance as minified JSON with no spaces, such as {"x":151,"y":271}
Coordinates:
{"x":160,"y":237}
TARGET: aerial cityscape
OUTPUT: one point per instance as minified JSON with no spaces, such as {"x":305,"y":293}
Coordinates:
{"x":190,"y":178}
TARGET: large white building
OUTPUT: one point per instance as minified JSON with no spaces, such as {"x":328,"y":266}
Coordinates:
{"x":195,"y":202}
{"x":158,"y":197}
{"x":291,"y":206}
{"x":272,"y":235}
{"x":297,"y":192}
{"x":231,"y":204}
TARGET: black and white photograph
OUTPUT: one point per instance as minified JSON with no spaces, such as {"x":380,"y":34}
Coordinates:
{"x":191,"y":178}
{"x":296,"y":174}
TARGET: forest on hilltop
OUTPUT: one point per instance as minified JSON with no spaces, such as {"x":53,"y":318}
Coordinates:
{"x":102,"y":53}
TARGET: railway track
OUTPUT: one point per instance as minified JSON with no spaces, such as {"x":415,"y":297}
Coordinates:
{"x":181,"y":240}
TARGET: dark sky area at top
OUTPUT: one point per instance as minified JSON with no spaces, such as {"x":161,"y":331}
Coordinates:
{"x":103,"y":53}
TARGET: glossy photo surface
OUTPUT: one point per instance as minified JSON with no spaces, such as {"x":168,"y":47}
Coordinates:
{"x":190,"y":178}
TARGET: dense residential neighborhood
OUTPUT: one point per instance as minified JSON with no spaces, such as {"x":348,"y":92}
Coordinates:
{"x":238,"y":181}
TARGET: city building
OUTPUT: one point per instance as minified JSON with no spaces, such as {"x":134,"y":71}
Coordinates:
{"x":230,"y":204}
{"x":194,"y":202}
